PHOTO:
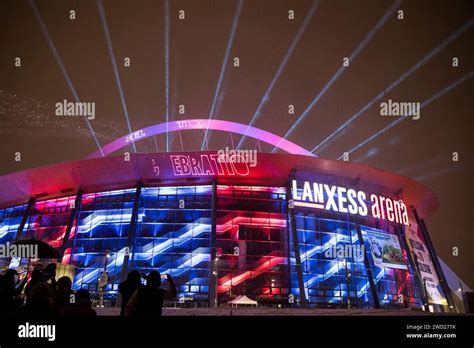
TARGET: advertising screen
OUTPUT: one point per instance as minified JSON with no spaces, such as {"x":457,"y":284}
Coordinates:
{"x":425,"y":264}
{"x":386,"y":250}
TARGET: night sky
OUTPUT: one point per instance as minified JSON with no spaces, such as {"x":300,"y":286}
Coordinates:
{"x":421,"y":149}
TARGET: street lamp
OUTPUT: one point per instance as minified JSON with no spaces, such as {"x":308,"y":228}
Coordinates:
{"x":216,"y":260}
{"x":427,"y":301}
{"x":344,"y":261}
{"x":107,"y":255}
{"x":103,"y":279}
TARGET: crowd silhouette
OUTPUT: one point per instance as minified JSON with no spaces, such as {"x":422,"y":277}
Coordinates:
{"x":147,"y":300}
{"x":43,"y":297}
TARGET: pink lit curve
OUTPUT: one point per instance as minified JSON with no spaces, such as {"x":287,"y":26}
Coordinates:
{"x":220,"y":125}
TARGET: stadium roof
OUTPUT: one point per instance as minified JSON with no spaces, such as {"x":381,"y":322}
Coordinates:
{"x":110,"y":173}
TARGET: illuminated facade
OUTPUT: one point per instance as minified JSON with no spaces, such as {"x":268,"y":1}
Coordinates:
{"x":252,"y":231}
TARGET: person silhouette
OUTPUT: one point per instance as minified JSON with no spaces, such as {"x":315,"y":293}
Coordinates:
{"x":81,"y":307}
{"x":10,"y":291}
{"x":39,"y":304}
{"x":36,"y":277}
{"x":49,"y":275}
{"x":147,"y":301}
{"x":128,"y":287}
{"x":62,"y":293}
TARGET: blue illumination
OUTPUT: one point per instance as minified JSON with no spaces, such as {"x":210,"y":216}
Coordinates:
{"x":177,"y":241}
{"x":10,"y":219}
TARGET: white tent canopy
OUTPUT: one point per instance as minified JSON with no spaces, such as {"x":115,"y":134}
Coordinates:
{"x":242,"y":301}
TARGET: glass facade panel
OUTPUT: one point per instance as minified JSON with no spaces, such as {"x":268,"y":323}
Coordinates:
{"x":10,"y":219}
{"x":392,"y":282}
{"x":252,"y":244}
{"x":333,"y":268}
{"x":173,"y":237}
{"x":100,"y":238}
{"x":48,"y":220}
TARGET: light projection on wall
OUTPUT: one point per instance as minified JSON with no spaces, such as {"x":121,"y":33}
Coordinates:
{"x":254,"y":246}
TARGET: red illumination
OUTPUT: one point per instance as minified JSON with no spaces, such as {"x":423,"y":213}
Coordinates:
{"x":264,"y":267}
{"x":67,"y":256}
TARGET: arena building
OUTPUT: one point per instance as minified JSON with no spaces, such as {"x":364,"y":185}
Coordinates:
{"x":293,"y":230}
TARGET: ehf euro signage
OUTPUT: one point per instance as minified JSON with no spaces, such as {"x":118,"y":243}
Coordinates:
{"x":209,"y":164}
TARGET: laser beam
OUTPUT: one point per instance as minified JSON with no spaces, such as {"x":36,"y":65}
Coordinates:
{"x":422,"y":165}
{"x":425,"y":103}
{"x":289,"y":52}
{"x":376,"y":150}
{"x":233,"y":30}
{"x":394,"y":84}
{"x":342,"y":68}
{"x":51,"y":45}
{"x":441,"y":172}
{"x":167,"y":67}
{"x":108,"y":40}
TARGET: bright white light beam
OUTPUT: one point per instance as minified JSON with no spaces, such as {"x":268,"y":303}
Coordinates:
{"x":343,"y":68}
{"x":167,"y":69}
{"x":61,"y":67}
{"x":223,"y":68}
{"x":114,"y":66}
{"x":289,"y":52}
{"x":397,"y":82}
{"x":425,"y":103}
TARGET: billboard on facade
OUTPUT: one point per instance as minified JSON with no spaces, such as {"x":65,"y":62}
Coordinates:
{"x":385,"y":250}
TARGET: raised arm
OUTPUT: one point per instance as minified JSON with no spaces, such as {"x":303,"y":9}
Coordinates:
{"x":171,"y":294}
